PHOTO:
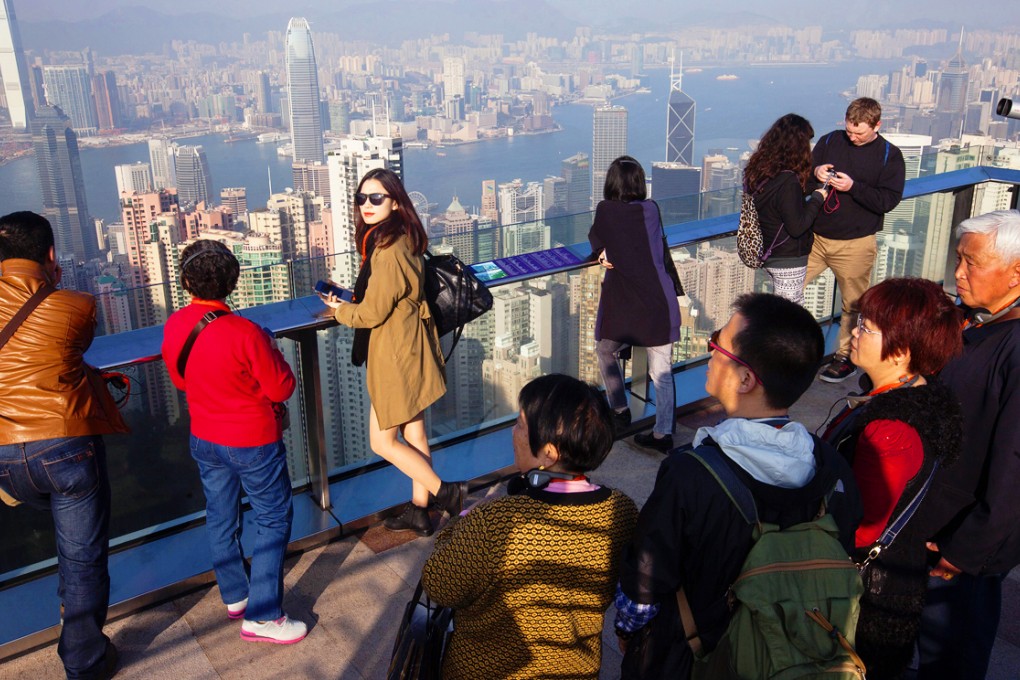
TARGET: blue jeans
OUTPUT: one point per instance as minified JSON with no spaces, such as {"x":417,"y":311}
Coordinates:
{"x":68,"y":477}
{"x":660,"y":369}
{"x":958,"y":627}
{"x":262,"y":472}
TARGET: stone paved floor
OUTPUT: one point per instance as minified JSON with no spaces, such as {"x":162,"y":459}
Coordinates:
{"x":351,"y":592}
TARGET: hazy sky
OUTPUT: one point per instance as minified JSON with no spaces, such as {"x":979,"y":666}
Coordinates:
{"x":867,"y":13}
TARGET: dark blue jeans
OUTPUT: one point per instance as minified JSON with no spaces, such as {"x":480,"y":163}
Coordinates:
{"x":262,"y":472}
{"x":958,"y":627}
{"x":67,"y":476}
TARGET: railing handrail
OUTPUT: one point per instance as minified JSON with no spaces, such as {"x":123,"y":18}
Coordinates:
{"x":306,"y":313}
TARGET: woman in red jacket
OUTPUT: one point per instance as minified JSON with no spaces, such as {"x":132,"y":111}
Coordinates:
{"x":234,"y":376}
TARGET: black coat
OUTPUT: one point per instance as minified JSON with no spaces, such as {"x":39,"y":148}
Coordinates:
{"x":786,"y":219}
{"x":896,"y":583}
{"x":690,"y":533}
{"x":638,"y":305}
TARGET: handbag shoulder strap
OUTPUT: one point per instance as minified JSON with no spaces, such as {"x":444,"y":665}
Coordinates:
{"x":207,"y":318}
{"x":894,"y":527}
{"x":19,"y":317}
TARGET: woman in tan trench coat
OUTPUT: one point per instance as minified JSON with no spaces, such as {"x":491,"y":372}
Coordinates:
{"x":395,"y":332}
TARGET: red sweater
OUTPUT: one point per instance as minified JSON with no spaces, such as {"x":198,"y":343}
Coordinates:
{"x":888,"y":455}
{"x":233,"y":376}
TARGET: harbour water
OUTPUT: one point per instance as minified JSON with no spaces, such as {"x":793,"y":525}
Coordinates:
{"x":730,"y":113}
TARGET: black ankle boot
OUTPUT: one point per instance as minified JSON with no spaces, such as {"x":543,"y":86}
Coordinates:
{"x":412,"y":518}
{"x":450,"y":497}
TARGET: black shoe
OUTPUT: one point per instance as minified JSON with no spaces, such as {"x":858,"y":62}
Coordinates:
{"x":450,"y":497}
{"x":413,"y":519}
{"x":650,"y":441}
{"x":839,"y":370}
{"x":111,"y":660}
{"x":621,"y":420}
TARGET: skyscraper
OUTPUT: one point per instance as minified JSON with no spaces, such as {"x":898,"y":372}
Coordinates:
{"x":104,"y":89}
{"x":161,"y":158}
{"x":63,"y":185}
{"x":609,"y":142}
{"x":953,"y":86}
{"x":577,"y":171}
{"x":263,"y":93}
{"x":70,"y":88}
{"x":194,"y":184}
{"x":303,"y":83}
{"x":13,"y":69}
{"x":679,"y":120}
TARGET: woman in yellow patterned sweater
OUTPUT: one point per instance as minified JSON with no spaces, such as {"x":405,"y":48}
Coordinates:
{"x":530,"y":575}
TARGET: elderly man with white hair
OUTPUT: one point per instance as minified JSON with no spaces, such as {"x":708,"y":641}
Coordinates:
{"x":977,"y":497}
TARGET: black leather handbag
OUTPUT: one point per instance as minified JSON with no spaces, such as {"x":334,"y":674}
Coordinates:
{"x":422,"y":639}
{"x":454,"y":294}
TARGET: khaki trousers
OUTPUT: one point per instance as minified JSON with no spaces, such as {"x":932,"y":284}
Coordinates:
{"x":851,"y":261}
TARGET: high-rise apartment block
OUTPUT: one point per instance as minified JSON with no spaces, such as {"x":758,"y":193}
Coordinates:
{"x":303,"y":85}
{"x":235,"y":199}
{"x":13,"y":69}
{"x":70,"y":88}
{"x":609,"y":142}
{"x":312,"y":177}
{"x":63,"y":184}
{"x":133,"y":178}
{"x":104,"y":89}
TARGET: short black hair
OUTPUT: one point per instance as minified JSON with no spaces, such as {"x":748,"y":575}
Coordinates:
{"x":25,"y":235}
{"x":782,"y":342}
{"x":209,"y":271}
{"x":625,"y":181}
{"x":572,"y":416}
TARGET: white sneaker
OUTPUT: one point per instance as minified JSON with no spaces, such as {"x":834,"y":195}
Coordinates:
{"x":236,"y":610}
{"x":282,"y":631}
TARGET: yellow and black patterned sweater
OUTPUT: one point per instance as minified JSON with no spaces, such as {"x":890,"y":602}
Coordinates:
{"x":530,"y":578}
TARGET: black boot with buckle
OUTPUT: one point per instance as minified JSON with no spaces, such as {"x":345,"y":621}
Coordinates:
{"x":450,"y":497}
{"x":412,"y":518}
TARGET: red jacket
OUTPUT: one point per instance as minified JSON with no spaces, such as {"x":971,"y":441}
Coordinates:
{"x":233,"y":376}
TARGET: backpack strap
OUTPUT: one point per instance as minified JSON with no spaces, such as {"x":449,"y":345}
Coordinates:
{"x":207,"y":318}
{"x":709,"y":455}
{"x":23,"y":313}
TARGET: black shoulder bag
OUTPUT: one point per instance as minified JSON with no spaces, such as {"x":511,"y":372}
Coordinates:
{"x":454,"y":294}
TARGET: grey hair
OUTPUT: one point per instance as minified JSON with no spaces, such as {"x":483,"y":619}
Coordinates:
{"x":1004,"y":227}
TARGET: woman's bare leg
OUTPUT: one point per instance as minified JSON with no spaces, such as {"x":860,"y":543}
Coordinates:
{"x":412,"y":458}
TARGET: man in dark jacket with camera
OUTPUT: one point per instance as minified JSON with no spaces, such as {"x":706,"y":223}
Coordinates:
{"x":689,"y":532}
{"x":53,"y":409}
{"x":866,"y":174}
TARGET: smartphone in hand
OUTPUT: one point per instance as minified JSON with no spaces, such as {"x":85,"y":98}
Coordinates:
{"x":324,"y":288}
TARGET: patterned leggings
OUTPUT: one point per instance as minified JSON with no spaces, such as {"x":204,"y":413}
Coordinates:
{"x":789,"y":283}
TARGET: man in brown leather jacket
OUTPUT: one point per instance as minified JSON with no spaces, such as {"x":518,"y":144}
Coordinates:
{"x":53,"y":409}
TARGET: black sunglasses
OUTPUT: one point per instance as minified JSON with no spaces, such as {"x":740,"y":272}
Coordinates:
{"x":376,"y":199}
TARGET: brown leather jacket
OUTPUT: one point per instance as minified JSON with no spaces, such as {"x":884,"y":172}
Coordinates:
{"x":46,"y":389}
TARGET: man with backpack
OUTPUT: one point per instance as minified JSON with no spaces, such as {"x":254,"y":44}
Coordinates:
{"x":693,"y":532}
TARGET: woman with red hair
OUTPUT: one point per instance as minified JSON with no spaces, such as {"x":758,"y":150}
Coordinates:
{"x":904,"y":426}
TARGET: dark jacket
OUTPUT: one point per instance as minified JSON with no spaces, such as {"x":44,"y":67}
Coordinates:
{"x":786,"y":220}
{"x":979,"y":499}
{"x":690,"y":533}
{"x":638,"y":305}
{"x":46,"y":389}
{"x":878,"y":172}
{"x":896,"y":582}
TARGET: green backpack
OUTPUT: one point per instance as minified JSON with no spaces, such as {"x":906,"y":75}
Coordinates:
{"x":794,"y":605}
